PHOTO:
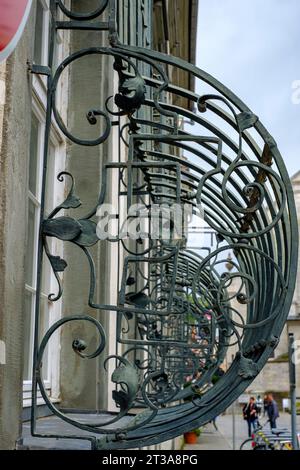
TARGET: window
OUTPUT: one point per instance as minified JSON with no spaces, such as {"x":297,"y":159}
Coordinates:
{"x":42,"y":35}
{"x":49,"y":311}
{"x":34,"y":206}
{"x":38,"y":37}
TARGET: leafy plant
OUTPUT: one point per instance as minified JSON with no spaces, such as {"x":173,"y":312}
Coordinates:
{"x":197,"y":431}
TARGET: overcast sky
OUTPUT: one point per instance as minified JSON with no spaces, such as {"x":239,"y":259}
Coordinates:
{"x":253,"y":47}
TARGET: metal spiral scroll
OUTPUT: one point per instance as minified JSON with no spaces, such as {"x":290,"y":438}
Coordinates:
{"x":178,"y":317}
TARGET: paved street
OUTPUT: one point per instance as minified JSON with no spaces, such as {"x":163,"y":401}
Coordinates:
{"x":210,"y":439}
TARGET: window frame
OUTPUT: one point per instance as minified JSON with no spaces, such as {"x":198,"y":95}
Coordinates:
{"x":58,"y":142}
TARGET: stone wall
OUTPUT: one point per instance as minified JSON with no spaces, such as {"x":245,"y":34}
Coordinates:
{"x":273,"y":378}
{"x":15,"y":108}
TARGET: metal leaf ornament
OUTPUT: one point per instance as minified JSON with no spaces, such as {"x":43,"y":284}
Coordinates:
{"x":125,"y":374}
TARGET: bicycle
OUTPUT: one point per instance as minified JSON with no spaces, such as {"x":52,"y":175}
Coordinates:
{"x":263,"y":439}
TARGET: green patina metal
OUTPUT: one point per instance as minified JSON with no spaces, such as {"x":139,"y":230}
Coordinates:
{"x":175,"y":318}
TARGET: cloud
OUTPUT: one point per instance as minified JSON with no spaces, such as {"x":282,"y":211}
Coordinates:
{"x":253,"y":48}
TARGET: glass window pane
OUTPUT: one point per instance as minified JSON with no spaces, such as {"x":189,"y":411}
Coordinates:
{"x":27,"y":351}
{"x":38,"y":38}
{"x":30,"y":249}
{"x":33,"y":162}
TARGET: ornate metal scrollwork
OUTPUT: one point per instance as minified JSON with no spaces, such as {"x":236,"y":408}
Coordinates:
{"x":83,"y":16}
{"x":180,"y":312}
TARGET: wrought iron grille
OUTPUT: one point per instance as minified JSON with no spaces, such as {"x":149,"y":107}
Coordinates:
{"x":177,"y":318}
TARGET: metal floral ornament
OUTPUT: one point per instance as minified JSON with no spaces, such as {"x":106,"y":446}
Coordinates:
{"x":179,"y":312}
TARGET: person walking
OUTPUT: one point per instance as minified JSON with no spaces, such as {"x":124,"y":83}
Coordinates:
{"x":250,"y":415}
{"x":259,"y":404}
{"x":272,"y":410}
{"x":213,"y":421}
{"x":265,"y":402}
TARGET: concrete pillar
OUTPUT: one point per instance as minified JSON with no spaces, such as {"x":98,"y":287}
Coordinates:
{"x":15,"y":109}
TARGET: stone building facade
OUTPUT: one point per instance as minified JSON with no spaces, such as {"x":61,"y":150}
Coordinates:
{"x":169,"y":26}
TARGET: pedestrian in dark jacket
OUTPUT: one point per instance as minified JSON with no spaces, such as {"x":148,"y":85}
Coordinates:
{"x":250,"y":415}
{"x":265,"y":404}
{"x":272,"y":410}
